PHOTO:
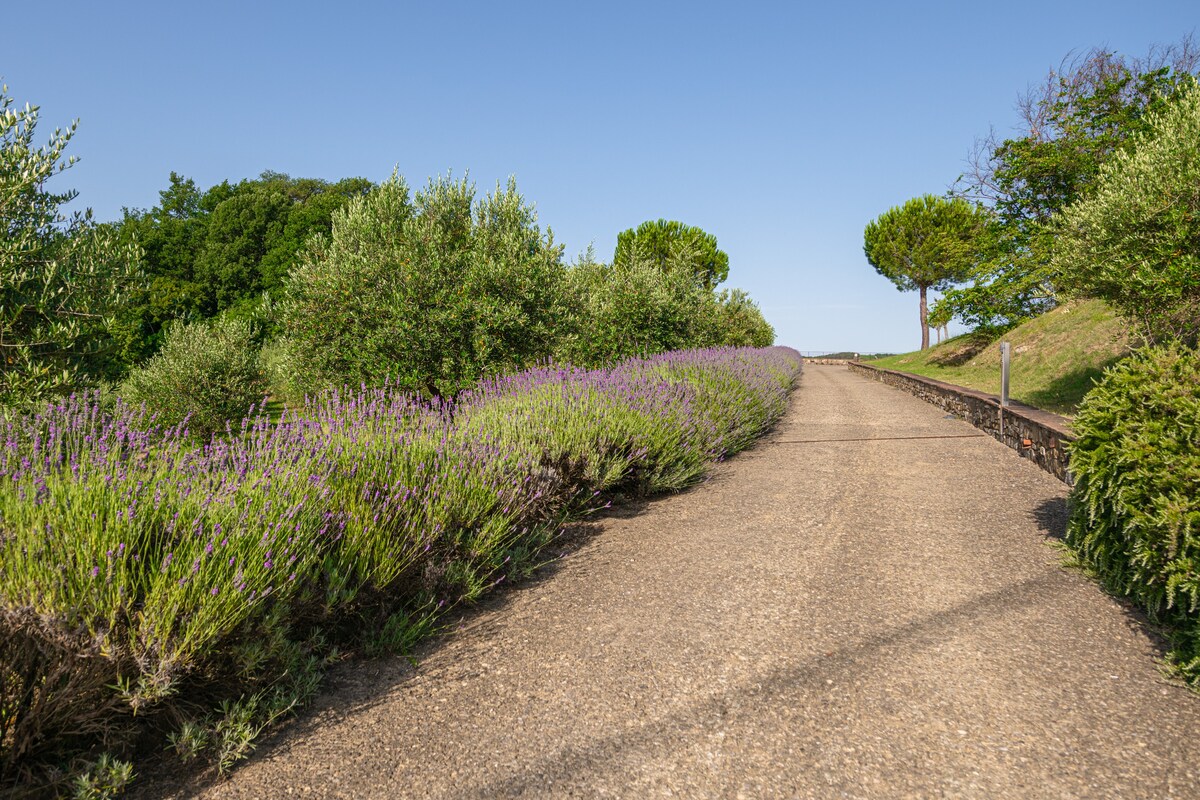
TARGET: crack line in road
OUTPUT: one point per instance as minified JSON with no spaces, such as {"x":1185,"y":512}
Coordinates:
{"x":884,"y":438}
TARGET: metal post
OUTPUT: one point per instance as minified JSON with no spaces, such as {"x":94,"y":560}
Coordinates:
{"x":1005,"y":359}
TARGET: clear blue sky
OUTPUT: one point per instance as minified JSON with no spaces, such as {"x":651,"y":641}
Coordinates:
{"x":780,"y":127}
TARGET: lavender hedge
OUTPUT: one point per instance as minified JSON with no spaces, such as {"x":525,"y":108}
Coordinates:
{"x":151,"y":588}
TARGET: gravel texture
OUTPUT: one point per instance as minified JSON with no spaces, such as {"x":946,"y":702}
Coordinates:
{"x":878,"y":618}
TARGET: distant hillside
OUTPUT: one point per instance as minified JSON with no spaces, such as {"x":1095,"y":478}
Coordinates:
{"x":1056,"y":357}
{"x":847,"y":354}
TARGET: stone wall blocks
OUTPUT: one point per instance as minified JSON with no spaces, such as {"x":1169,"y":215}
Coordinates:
{"x":1041,"y":439}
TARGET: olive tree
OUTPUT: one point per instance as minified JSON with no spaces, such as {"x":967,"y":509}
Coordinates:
{"x":635,"y":307}
{"x":1135,"y":242}
{"x":740,"y":322}
{"x":207,"y":373}
{"x":929,"y":242}
{"x":432,"y":290}
{"x":62,"y":279}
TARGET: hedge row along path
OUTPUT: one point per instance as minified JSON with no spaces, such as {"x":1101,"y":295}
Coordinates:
{"x":873,"y":616}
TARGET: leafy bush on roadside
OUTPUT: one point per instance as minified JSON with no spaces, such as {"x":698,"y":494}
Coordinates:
{"x":63,"y":278}
{"x":740,"y":323}
{"x":1136,"y":501}
{"x":207,"y":373}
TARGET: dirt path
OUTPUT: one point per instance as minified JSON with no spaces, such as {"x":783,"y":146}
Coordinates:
{"x":822,"y":619}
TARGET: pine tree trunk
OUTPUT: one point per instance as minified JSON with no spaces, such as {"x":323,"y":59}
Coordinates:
{"x":924,"y":318}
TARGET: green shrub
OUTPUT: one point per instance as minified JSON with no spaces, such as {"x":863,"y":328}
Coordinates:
{"x":636,"y":307}
{"x":106,"y":777}
{"x":62,"y":278}
{"x":1136,"y":241}
{"x":207,"y":373}
{"x":740,"y":323}
{"x":1136,"y":503}
{"x":432,"y":292}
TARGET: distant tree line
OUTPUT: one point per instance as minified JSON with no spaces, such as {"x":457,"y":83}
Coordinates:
{"x":218,"y":251}
{"x":203,"y":303}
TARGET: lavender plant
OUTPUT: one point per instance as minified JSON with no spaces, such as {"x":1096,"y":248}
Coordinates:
{"x":142,"y":574}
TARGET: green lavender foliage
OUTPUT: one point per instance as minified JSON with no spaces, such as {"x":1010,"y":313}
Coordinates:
{"x":1136,"y":502}
{"x":106,"y":777}
{"x":155,"y":587}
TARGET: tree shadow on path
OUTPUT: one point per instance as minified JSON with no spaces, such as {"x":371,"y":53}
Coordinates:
{"x":1051,"y":516}
{"x":813,"y":676}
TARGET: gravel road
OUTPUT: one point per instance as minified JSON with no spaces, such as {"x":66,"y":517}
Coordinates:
{"x":839,"y":612}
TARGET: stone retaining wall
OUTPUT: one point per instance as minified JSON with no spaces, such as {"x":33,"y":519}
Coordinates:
{"x":1035,"y":434}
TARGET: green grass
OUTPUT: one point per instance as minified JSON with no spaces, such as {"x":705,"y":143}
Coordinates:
{"x":1057,"y":357}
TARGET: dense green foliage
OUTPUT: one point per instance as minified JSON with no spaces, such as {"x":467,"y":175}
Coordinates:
{"x":1135,"y":241}
{"x":433,"y":291}
{"x":440,"y":289}
{"x":1088,"y":111}
{"x":740,"y":323}
{"x":927,"y":243}
{"x":219,"y":250}
{"x":206,"y":373}
{"x":1135,"y":505}
{"x":62,"y":279}
{"x":633,"y":307}
{"x":668,"y":243}
{"x":641,"y":306}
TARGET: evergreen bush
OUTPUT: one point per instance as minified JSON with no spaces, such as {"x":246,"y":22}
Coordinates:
{"x":1136,"y":502}
{"x":636,"y":307}
{"x":740,"y":322}
{"x":431,"y":291}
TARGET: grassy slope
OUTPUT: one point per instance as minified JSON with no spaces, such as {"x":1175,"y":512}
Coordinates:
{"x":1056,"y":357}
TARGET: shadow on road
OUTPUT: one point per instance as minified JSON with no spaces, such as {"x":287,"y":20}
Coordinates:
{"x":814,"y":675}
{"x":1051,"y":517}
